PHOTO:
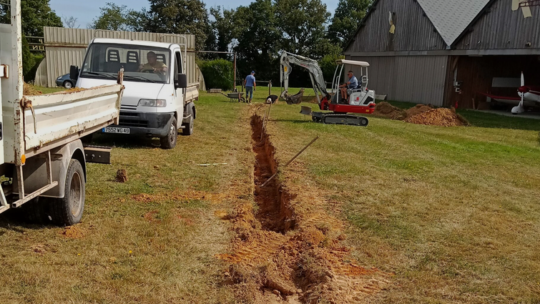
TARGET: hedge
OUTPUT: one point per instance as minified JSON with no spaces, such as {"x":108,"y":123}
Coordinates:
{"x":218,"y":74}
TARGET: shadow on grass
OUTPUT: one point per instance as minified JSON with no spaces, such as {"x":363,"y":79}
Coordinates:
{"x":125,"y":141}
{"x":488,"y":120}
{"x":15,"y":220}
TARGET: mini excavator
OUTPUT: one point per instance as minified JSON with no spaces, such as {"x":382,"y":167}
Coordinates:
{"x":360,"y":100}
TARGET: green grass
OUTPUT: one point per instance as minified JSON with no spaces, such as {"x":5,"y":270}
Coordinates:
{"x":487,"y":120}
{"x":453,"y":212}
{"x":172,"y":237}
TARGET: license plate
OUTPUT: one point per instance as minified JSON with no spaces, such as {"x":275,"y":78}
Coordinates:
{"x":116,"y":130}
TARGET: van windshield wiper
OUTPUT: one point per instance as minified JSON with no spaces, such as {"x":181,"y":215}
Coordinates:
{"x":101,"y":74}
{"x":141,"y":78}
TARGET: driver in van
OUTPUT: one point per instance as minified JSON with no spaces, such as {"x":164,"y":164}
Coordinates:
{"x":153,"y":65}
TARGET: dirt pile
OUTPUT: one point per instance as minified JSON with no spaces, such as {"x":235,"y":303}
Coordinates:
{"x":438,"y":117}
{"x":289,"y":249}
{"x":418,"y":109}
{"x":384,"y":109}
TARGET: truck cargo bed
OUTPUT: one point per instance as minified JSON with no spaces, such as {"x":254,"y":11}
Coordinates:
{"x":68,"y":114}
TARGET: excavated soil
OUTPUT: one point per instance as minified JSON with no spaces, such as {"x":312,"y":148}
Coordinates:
{"x":421,"y":114}
{"x":418,"y":109}
{"x":287,"y":248}
{"x":438,"y":117}
{"x":384,"y":109}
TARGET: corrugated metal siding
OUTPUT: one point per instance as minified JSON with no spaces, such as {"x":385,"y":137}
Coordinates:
{"x":418,"y":79}
{"x":59,"y":59}
{"x":414,"y":31}
{"x":66,"y":47}
{"x":503,"y":28}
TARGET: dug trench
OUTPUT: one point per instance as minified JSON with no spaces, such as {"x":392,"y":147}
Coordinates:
{"x":287,"y":248}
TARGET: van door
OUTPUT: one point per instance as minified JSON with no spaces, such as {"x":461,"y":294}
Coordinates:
{"x":179,"y":93}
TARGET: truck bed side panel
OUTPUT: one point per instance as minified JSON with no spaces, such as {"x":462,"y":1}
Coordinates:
{"x":57,"y":116}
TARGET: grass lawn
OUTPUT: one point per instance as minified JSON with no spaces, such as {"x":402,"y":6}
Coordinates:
{"x":452,"y":213}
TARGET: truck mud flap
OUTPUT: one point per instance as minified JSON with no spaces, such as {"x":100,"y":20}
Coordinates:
{"x":97,"y":154}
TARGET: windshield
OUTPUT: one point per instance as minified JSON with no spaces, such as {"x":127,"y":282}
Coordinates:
{"x":140,"y":63}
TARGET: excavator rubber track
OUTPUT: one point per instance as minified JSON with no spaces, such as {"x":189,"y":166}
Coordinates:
{"x":340,"y":119}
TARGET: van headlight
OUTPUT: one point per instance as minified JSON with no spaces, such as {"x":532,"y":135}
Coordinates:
{"x":161,"y":103}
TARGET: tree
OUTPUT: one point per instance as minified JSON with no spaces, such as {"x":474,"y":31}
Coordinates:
{"x":180,"y":17}
{"x":70,"y":22}
{"x":115,"y":17}
{"x":346,"y":20}
{"x":302,"y":24}
{"x":258,"y":39}
{"x":35,"y":15}
{"x":223,"y":29}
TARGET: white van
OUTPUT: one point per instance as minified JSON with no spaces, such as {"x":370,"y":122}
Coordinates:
{"x":157,"y":100}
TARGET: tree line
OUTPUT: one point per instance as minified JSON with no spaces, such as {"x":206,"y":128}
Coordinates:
{"x":256,"y":32}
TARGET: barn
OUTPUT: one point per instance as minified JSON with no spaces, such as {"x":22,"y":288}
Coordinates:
{"x":449,"y":52}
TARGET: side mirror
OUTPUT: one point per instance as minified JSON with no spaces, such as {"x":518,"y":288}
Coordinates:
{"x":74,"y":72}
{"x":181,"y":82}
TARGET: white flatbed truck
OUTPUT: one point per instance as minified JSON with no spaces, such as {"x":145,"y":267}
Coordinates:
{"x":42,"y":158}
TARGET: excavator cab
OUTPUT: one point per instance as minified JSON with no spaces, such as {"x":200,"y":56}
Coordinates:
{"x":360,"y":100}
{"x":361,"y":96}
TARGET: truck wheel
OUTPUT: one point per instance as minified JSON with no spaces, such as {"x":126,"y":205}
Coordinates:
{"x":68,"y":85}
{"x":69,"y":209}
{"x":188,"y":126}
{"x":169,"y":141}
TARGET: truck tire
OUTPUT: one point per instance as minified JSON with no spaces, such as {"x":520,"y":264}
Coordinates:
{"x":69,"y":209}
{"x":169,"y":141}
{"x":188,"y":126}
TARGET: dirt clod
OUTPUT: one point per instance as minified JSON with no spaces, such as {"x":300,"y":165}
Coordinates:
{"x":121,"y":176}
{"x":73,"y":232}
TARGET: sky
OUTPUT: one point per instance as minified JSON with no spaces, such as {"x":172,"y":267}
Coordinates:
{"x":87,"y":10}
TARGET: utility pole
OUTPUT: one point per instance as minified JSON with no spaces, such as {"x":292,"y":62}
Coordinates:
{"x":234,"y":67}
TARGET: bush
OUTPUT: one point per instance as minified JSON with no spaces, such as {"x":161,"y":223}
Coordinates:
{"x":328,"y":66}
{"x":218,"y":74}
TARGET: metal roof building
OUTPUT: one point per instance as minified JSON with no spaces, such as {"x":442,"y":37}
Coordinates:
{"x":65,"y":47}
{"x":448,"y":52}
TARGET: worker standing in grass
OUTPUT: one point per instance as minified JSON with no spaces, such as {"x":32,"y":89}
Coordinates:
{"x":250,"y":85}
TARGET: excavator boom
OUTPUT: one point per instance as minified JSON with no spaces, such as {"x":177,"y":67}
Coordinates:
{"x":315,"y":74}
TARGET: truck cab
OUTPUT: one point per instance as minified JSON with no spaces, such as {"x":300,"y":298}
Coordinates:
{"x":157,"y":100}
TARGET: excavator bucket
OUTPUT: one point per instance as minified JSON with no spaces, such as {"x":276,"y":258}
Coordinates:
{"x":306,"y":111}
